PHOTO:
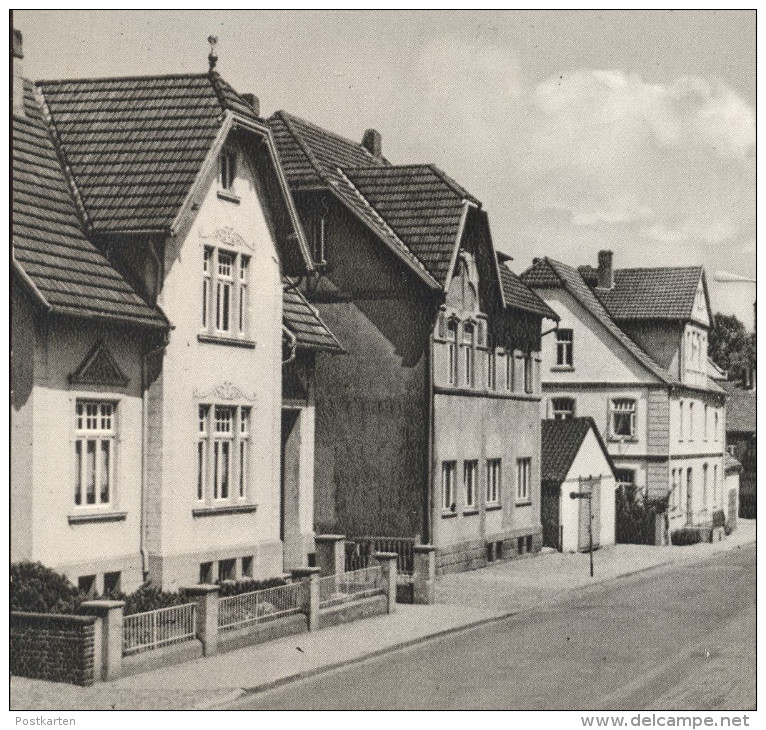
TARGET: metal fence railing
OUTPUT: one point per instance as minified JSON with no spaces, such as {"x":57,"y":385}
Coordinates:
{"x":350,"y":586}
{"x":359,"y":550}
{"x":153,"y":629}
{"x":259,"y":606}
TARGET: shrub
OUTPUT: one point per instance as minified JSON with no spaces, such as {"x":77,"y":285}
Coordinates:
{"x":635,"y":514}
{"x":148,"y":598}
{"x":686,"y":536}
{"x":728,"y":529}
{"x":247,"y":585}
{"x":38,"y":589}
{"x":719,"y":518}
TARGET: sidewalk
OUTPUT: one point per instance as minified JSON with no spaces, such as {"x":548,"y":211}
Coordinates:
{"x":463,"y":600}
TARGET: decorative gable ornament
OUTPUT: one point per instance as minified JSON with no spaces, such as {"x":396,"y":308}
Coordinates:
{"x":228,"y":237}
{"x":99,"y":368}
{"x":225,"y":391}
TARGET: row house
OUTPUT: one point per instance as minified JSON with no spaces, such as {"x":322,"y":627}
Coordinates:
{"x":163,"y":360}
{"x":429,"y":427}
{"x":631,"y":352}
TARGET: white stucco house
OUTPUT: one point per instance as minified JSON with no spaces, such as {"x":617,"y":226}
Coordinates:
{"x":575,"y":460}
{"x":630,"y":351}
{"x":162,"y":424}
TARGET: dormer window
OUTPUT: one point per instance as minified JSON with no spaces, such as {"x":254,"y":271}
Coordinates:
{"x":227,"y":167}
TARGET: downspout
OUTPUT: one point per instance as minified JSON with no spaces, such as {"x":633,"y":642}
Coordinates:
{"x":145,"y":451}
{"x":429,"y":537}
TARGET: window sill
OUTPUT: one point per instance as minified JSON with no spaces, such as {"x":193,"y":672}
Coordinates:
{"x":223,"y":340}
{"x":448,"y":514}
{"x":623,"y":439}
{"x":469,"y":512}
{"x":562,"y":369}
{"x":492,"y":507}
{"x":226,"y":195}
{"x":524,"y":504}
{"x":80,"y":519}
{"x":229,"y":509}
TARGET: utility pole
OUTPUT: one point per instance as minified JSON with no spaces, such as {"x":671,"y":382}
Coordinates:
{"x":589,"y":497}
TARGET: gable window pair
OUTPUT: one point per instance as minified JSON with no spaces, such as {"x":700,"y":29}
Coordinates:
{"x":225,"y":291}
{"x":223,"y":448}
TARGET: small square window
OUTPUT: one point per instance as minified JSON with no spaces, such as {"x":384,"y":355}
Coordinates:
{"x":247,"y":566}
{"x":226,"y":569}
{"x":563,"y":408}
{"x":112,"y":582}
{"x":206,"y":573}
{"x":87,"y":584}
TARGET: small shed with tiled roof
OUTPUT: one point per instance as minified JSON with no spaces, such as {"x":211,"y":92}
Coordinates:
{"x":575,"y":460}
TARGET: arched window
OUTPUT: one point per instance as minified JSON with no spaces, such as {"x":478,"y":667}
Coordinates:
{"x":452,"y":350}
{"x":468,"y":353}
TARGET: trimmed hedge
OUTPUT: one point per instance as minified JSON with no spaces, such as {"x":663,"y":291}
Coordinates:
{"x":686,"y":536}
{"x":247,"y":585}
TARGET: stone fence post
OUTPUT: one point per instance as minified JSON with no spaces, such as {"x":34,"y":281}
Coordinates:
{"x":424,"y":580}
{"x":387,"y":562}
{"x":331,"y":553}
{"x":205,"y":595}
{"x":111,"y":615}
{"x":310,"y":576}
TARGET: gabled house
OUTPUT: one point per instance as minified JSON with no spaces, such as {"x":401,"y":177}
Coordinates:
{"x":158,"y":204}
{"x":575,"y":460}
{"x":428,"y":428}
{"x":631,"y":352}
{"x":741,"y":443}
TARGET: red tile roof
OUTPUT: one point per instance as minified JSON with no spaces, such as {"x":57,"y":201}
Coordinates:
{"x":69,"y":272}
{"x":134,"y":145}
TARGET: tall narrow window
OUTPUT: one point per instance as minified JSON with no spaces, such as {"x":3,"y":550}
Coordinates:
{"x":523,"y":480}
{"x":716,"y":427}
{"x":223,"y":445}
{"x":563,"y":408}
{"x":623,"y":417}
{"x":470,"y":477}
{"x":244,"y":445}
{"x":491,"y":363}
{"x":717,"y":494}
{"x":493,"y":481}
{"x":680,"y":420}
{"x":468,"y":353}
{"x":510,"y":364}
{"x":673,"y":489}
{"x":202,"y":449}
{"x":689,"y":494}
{"x":206,"y":276}
{"x":244,"y":263}
{"x":452,"y":351}
{"x":529,"y":378}
{"x":705,"y":421}
{"x":691,"y":421}
{"x":95,"y":436}
{"x":225,"y":284}
{"x":227,"y":163}
{"x":704,"y":486}
{"x":448,"y":485}
{"x":564,"y":353}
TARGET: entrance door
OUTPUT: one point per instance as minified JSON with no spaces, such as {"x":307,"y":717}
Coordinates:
{"x":549,"y":516}
{"x":592,"y":511}
{"x":289,"y":527}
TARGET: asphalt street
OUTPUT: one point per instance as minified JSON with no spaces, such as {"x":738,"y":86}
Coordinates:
{"x":672,"y":639}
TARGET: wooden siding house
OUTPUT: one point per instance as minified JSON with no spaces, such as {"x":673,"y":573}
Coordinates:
{"x":428,"y":427}
{"x":154,"y":326}
{"x":631,"y":352}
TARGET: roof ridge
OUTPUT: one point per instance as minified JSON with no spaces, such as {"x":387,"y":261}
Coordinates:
{"x":310,"y":156}
{"x":454,"y":184}
{"x":136,"y":77}
{"x":695,"y":267}
{"x":293,"y":117}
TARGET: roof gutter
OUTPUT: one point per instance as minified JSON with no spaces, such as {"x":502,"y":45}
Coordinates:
{"x":38,"y":295}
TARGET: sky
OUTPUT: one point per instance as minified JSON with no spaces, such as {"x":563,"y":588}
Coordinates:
{"x":578,"y":130}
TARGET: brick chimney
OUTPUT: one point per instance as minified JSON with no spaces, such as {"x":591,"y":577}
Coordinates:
{"x":605,"y":273}
{"x":254,"y":102}
{"x":373,"y":142}
{"x":18,"y":74}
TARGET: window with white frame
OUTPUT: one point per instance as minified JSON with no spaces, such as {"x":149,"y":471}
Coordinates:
{"x":680,"y":420}
{"x":509,"y":368}
{"x":225,"y":292}
{"x":705,"y":421}
{"x":94,"y":448}
{"x":468,"y":353}
{"x":452,"y":351}
{"x":493,"y":481}
{"x":625,"y":477}
{"x":564,"y":342}
{"x":491,"y":363}
{"x":529,"y":373}
{"x":470,"y":482}
{"x":449,"y":469}
{"x":523,"y":480}
{"x":227,"y":169}
{"x":623,"y":417}
{"x":562,"y":408}
{"x":223,"y":452}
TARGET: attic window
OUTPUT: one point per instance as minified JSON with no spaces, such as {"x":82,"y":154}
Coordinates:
{"x":227,"y":167}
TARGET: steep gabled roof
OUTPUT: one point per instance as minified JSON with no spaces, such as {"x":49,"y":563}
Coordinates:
{"x":653,"y":293}
{"x":547,"y":273}
{"x":561,"y":441}
{"x":54,"y":258}
{"x":134,"y":145}
{"x":305,"y":323}
{"x":519,"y":296}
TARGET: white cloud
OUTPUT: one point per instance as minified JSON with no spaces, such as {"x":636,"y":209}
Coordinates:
{"x":714,"y":232}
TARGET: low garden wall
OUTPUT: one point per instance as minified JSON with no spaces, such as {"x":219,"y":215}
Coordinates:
{"x":58,"y":648}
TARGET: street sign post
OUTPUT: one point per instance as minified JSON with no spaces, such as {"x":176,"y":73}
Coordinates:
{"x":588,"y":496}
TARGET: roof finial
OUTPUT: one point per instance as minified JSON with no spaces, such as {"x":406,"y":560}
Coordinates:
{"x":213,"y":57}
